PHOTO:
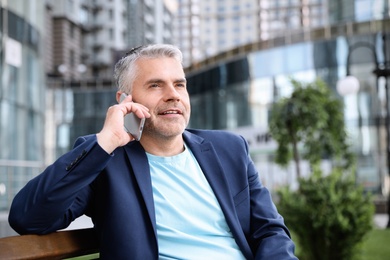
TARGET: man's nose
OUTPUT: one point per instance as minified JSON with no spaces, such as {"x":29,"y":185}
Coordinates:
{"x":171,"y":93}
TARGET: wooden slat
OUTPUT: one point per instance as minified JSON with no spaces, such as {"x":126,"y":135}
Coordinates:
{"x":56,"y":245}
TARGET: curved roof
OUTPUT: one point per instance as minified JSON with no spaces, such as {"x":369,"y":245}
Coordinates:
{"x":291,"y":37}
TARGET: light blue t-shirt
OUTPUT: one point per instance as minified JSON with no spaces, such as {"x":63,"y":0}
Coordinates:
{"x":190,"y":222}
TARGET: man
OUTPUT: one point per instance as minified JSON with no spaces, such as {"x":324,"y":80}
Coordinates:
{"x":175,"y":194}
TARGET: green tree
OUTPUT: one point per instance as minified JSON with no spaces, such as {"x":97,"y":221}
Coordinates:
{"x":314,"y":118}
{"x":329,"y":214}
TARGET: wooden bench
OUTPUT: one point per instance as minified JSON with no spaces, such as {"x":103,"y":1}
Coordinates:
{"x":58,"y":245}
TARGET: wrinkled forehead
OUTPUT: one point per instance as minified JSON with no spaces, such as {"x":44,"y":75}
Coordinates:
{"x":164,"y":68}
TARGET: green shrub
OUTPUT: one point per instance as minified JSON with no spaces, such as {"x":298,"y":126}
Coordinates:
{"x":330,"y":215}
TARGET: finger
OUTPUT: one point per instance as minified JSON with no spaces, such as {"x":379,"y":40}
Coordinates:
{"x":128,"y":98}
{"x":140,"y":110}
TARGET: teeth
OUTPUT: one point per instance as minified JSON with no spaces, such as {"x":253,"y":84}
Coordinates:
{"x":170,"y":112}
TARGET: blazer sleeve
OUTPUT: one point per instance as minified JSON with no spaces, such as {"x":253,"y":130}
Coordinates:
{"x":269,"y":236}
{"x":60,"y":194}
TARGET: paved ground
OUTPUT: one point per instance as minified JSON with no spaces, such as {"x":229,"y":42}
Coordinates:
{"x":380,"y":220}
{"x":81,"y":222}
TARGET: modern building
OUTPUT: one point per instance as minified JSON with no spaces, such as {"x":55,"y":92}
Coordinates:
{"x":205,"y":28}
{"x":22,"y":98}
{"x":83,"y":36}
{"x":66,"y":23}
{"x":150,"y":21}
{"x":235,"y":90}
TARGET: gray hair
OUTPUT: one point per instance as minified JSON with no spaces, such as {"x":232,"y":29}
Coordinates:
{"x":126,"y":70}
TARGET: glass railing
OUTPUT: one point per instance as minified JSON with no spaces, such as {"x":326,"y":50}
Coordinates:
{"x":14,"y":174}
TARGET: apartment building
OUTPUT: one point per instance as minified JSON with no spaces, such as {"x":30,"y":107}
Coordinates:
{"x":83,"y":37}
{"x":205,"y":28}
{"x":150,"y":21}
{"x":87,"y":36}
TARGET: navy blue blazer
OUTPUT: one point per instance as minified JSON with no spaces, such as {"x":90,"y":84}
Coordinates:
{"x":115,"y":191}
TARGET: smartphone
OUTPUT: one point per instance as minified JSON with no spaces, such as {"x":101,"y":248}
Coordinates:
{"x":133,"y":124}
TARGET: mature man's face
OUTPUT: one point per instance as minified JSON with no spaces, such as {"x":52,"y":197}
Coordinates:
{"x":161,"y":86}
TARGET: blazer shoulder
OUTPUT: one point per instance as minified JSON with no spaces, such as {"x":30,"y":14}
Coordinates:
{"x":217,"y":137}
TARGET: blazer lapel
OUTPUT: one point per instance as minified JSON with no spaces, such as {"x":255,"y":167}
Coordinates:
{"x":140,"y":165}
{"x":210,"y":164}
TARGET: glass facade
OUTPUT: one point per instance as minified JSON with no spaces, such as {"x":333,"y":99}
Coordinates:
{"x":74,"y":110}
{"x":22,"y":99}
{"x":238,"y":96}
{"x":92,"y":107}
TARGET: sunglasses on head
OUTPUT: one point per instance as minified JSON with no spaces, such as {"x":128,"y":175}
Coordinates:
{"x":133,"y":50}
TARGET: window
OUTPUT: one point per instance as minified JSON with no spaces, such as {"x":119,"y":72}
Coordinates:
{"x":71,"y":58}
{"x":71,"y":31}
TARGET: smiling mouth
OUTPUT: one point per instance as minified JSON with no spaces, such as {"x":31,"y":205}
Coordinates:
{"x":171,"y":112}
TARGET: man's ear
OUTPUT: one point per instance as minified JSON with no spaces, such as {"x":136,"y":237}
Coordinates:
{"x":118,"y":96}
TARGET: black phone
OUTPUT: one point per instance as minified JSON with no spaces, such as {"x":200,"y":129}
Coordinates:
{"x":132,"y":123}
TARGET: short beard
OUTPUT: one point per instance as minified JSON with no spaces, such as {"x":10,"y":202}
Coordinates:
{"x":160,"y":132}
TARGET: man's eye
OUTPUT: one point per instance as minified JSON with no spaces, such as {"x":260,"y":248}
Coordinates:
{"x":181,"y":85}
{"x":154,"y":85}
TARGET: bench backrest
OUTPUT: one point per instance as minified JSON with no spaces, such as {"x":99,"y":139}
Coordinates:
{"x":58,"y":245}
